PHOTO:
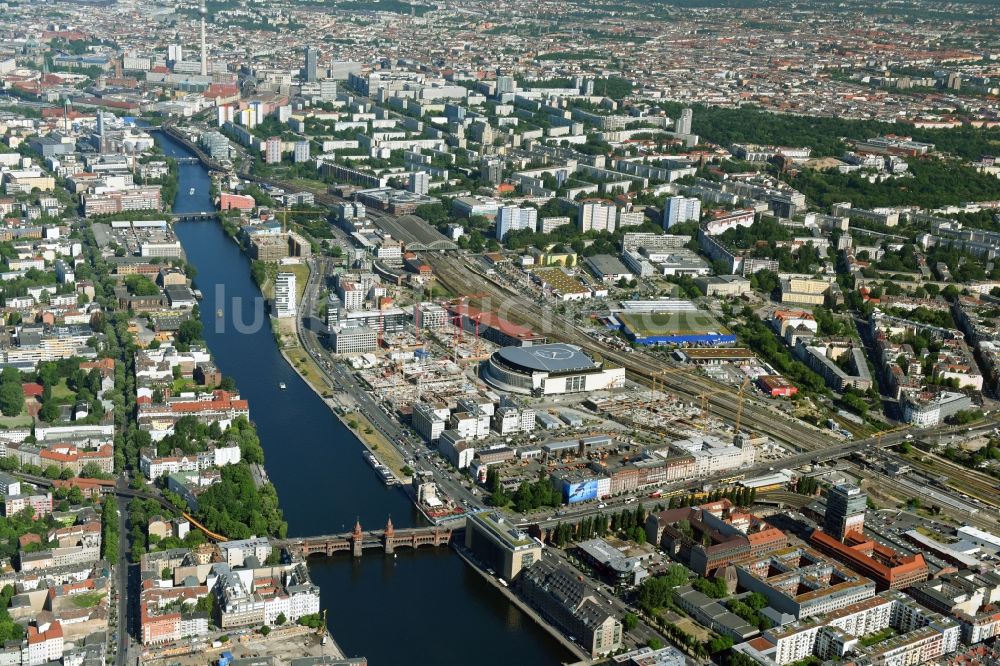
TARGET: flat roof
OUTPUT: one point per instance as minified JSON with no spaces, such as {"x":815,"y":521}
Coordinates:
{"x":555,"y":357}
{"x":719,"y":352}
{"x":606,"y":264}
{"x":502,"y":529}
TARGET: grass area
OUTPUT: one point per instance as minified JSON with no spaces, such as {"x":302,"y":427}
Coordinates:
{"x":673,"y":323}
{"x":88,"y":599}
{"x":693,"y":628}
{"x":61,"y":391}
{"x":181,"y":385}
{"x":877,"y":637}
{"x":301,"y":360}
{"x":22,"y":420}
{"x":379,"y":445}
{"x":309,"y":184}
{"x":301,"y":272}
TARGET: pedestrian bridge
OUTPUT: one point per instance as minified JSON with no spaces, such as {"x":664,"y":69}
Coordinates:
{"x":356,"y":542}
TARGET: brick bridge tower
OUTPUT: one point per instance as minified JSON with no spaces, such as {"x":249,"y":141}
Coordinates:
{"x":389,"y":533}
{"x":357,"y":537}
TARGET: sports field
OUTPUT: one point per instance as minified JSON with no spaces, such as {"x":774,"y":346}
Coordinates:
{"x":652,"y":324}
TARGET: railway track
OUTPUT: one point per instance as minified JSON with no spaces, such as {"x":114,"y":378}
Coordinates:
{"x":722,"y":399}
{"x":982,"y":487}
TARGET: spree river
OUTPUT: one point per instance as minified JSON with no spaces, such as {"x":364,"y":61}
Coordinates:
{"x":424,"y":606}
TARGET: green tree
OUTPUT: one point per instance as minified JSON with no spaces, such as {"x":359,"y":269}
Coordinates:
{"x":11,"y":399}
{"x":630,"y":621}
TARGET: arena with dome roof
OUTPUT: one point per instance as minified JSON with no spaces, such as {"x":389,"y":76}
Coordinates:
{"x":548,"y":369}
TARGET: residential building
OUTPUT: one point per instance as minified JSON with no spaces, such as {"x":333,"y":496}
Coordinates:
{"x":681,"y":209}
{"x":574,"y":605}
{"x":272,"y":150}
{"x":919,"y":635}
{"x":284,"y":295}
{"x":683,"y":122}
{"x":301,"y":152}
{"x":419,"y":182}
{"x":801,"y":582}
{"x":596,"y":216}
{"x":513,"y":218}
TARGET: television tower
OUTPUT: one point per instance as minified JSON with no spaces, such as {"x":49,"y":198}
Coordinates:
{"x":204,"y":53}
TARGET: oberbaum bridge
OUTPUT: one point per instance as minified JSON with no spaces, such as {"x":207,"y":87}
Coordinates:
{"x":356,"y":542}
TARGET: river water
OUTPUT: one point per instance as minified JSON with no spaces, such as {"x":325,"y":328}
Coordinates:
{"x":422,"y":607}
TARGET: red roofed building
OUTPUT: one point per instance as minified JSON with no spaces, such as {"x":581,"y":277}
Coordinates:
{"x":105,"y":365}
{"x":68,"y":456}
{"x":229,"y":201}
{"x":57,"y":112}
{"x":494,"y":328}
{"x":90,"y":488}
{"x":45,"y":643}
{"x":889,"y":569}
{"x":32,"y":390}
{"x":221,"y":406}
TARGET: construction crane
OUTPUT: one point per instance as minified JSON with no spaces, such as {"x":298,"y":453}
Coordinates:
{"x":703,"y":397}
{"x":659,"y":377}
{"x":741,"y":401}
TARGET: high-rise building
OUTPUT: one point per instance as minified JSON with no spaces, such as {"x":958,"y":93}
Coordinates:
{"x":204,"y":50}
{"x":272,"y":150}
{"x":284,"y":295}
{"x":491,"y":170}
{"x":683,"y":125}
{"x":301,"y":152}
{"x":512,"y":218}
{"x":588,"y":88}
{"x":505,"y":84}
{"x":328,"y":90}
{"x":175,"y":53}
{"x":455,"y":113}
{"x":681,"y":209}
{"x":312,"y":64}
{"x":845,"y":511}
{"x":597,"y":217}
{"x":420,"y":182}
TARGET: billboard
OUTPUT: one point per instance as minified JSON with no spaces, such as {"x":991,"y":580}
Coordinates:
{"x":580,"y":491}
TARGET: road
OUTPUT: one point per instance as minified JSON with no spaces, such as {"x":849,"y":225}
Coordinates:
{"x":454,"y":271}
{"x":832,"y":452}
{"x":126,"y":586}
{"x":340,"y":377}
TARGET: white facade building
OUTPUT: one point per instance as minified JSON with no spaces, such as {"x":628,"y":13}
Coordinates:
{"x":284,"y":295}
{"x":513,"y":218}
{"x":681,"y":209}
{"x":597,"y":217}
